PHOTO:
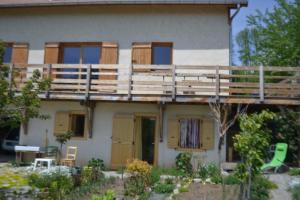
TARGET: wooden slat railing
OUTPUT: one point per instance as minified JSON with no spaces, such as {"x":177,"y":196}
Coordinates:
{"x":168,"y":83}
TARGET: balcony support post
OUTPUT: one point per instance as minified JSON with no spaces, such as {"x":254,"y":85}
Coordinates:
{"x":162,"y":108}
{"x":261,"y":84}
{"x":173,"y":82}
{"x":88,"y":82}
{"x":49,"y":70}
{"x":10,"y":77}
{"x":217,"y":83}
{"x":130,"y":71}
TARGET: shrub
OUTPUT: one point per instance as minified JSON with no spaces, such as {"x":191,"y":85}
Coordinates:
{"x":210,"y":171}
{"x":56,"y":184}
{"x":139,"y":180}
{"x":93,"y":172}
{"x":163,"y":188}
{"x":295,"y":190}
{"x":231,"y":180}
{"x":144,"y":196}
{"x":294,"y":172}
{"x":183,"y":163}
{"x":96,"y":163}
{"x":260,"y":188}
{"x":108,"y":195}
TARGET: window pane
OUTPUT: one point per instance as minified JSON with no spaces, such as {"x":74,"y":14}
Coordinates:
{"x":71,"y":56}
{"x":190,"y":133}
{"x":91,"y":55}
{"x":7,"y":55}
{"x":78,"y":125}
{"x":162,"y":55}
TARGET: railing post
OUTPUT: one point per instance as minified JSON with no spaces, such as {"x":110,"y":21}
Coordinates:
{"x":261,"y":84}
{"x":88,"y":82}
{"x":10,"y":77}
{"x":49,"y":69}
{"x":217,"y":83}
{"x":173,"y":82}
{"x":130,"y":71}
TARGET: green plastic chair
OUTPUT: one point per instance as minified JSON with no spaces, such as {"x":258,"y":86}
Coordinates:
{"x":278,"y":159}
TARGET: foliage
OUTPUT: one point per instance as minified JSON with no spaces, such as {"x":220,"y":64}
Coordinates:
{"x":91,"y":174}
{"x":210,"y":171}
{"x":156,"y":172}
{"x":57,"y":184}
{"x":10,"y":179}
{"x":144,"y":196}
{"x":183,"y":163}
{"x":139,"y":180}
{"x":286,"y":128}
{"x":260,"y":188}
{"x":63,"y":139}
{"x":231,"y":180}
{"x":251,"y":144}
{"x":19,"y":108}
{"x":163,"y":188}
{"x":295,"y":190}
{"x":272,"y":38}
{"x":96,"y":163}
{"x":294,"y":172}
{"x":108,"y":195}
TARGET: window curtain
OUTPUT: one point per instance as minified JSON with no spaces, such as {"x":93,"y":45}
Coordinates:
{"x":189,"y":133}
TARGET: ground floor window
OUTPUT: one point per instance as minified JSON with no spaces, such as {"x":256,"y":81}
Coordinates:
{"x":189,"y":133}
{"x":77,"y":124}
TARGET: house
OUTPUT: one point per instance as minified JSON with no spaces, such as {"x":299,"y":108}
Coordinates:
{"x":131,"y":79}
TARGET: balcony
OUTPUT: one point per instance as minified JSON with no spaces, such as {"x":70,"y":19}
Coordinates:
{"x":167,"y":83}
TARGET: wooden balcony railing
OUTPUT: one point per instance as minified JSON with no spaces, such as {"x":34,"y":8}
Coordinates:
{"x":167,"y":83}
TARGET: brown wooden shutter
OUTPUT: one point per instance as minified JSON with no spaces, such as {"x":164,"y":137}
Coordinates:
{"x":207,"y":134}
{"x":20,"y":53}
{"x":51,"y":53}
{"x":173,"y":133}
{"x":122,"y":140}
{"x":109,"y":55}
{"x":141,"y":53}
{"x":61,"y":123}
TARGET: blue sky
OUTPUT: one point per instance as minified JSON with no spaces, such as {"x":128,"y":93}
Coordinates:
{"x":240,"y":21}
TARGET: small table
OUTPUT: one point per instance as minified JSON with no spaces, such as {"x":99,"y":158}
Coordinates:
{"x":49,"y":161}
{"x":23,"y":149}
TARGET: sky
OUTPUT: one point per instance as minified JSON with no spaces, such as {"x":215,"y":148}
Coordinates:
{"x":240,"y":20}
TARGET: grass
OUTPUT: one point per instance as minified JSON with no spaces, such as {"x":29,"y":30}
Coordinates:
{"x":294,"y":172}
{"x":295,"y":192}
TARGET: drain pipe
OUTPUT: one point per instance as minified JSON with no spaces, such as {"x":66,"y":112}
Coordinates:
{"x":230,"y":34}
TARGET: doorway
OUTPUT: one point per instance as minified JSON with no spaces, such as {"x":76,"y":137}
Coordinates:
{"x":145,"y":138}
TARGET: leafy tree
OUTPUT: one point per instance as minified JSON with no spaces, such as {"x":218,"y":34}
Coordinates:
{"x":272,"y":38}
{"x":251,"y":144}
{"x":19,"y":107}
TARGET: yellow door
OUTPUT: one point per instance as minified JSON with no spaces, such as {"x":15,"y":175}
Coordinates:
{"x":122,"y":140}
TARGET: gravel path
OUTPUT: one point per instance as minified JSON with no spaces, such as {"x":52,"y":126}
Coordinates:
{"x":282,"y":181}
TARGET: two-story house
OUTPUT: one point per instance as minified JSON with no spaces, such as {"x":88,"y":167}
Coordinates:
{"x":130,"y":79}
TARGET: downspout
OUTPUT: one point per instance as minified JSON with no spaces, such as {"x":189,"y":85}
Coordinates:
{"x":230,"y":34}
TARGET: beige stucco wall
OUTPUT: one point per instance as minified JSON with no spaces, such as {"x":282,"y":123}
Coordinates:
{"x":100,"y":145}
{"x":200,"y":34}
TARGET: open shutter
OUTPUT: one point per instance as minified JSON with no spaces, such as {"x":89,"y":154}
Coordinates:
{"x":109,"y":55}
{"x":207,"y":134}
{"x":122,"y":140}
{"x":173,"y":133}
{"x":51,"y":55}
{"x":20,"y":53}
{"x":62,"y":123}
{"x":141,"y":53}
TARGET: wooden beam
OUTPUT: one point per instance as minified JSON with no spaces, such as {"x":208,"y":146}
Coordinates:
{"x":130,"y":81}
{"x":173,"y":82}
{"x":217,"y":83}
{"x":261,"y":84}
{"x":49,"y":69}
{"x":161,"y":120}
{"x":10,"y":77}
{"x":88,"y":82}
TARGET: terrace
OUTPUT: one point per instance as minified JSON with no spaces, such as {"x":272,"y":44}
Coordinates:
{"x":166,"y":83}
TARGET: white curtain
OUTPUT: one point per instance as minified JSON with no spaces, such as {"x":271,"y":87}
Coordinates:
{"x":189,"y":133}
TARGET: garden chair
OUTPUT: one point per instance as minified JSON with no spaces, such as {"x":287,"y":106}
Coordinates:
{"x":278,"y":158}
{"x":70,"y":157}
{"x":51,"y":152}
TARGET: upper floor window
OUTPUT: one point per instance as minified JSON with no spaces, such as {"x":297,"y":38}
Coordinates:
{"x":7,"y":54}
{"x":161,"y":53}
{"x":81,"y":54}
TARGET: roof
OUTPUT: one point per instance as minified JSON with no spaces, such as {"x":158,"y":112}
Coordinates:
{"x":34,"y":3}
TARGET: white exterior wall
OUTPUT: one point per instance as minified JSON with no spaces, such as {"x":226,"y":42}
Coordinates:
{"x":100,"y":145}
{"x":200,"y":34}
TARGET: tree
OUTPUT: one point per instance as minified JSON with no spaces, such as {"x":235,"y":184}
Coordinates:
{"x":251,"y":144}
{"x":225,"y":116}
{"x":19,"y":107}
{"x":272,"y":38}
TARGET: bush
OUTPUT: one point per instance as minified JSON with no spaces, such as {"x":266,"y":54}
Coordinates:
{"x":108,"y":195}
{"x":261,"y":187}
{"x":163,"y":188}
{"x":294,"y":172}
{"x":232,"y":180}
{"x":183,"y":163}
{"x":56,"y":184}
{"x":96,"y":163}
{"x":156,"y":172}
{"x":139,"y":180}
{"x":295,"y":190}
{"x":144,"y":196}
{"x":210,"y":171}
